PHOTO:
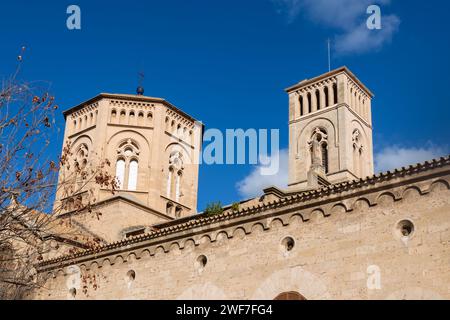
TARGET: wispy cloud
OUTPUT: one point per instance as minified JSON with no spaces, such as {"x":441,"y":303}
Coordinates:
{"x":393,"y":157}
{"x":253,"y":184}
{"x":347,"y":18}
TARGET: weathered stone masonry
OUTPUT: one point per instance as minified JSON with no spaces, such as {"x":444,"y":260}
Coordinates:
{"x":339,"y":232}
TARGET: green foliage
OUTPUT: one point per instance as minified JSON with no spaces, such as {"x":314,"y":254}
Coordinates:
{"x":214,"y":208}
{"x":235,"y":206}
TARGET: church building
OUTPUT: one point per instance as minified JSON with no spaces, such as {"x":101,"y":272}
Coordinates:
{"x":338,"y":231}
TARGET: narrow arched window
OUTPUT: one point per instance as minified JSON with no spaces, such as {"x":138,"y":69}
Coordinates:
{"x":318,"y":99}
{"x":132,"y":175}
{"x":178,"y":211}
{"x":167,"y":124}
{"x":327,"y":104}
{"x":149,"y":119}
{"x":131,"y":118}
{"x":123,"y":116}
{"x":120,"y":172}
{"x":302,"y":112}
{"x":113,"y":116}
{"x":335,"y":93}
{"x":325,"y":157}
{"x":140,"y":118}
{"x":177,"y":187}
{"x":309,"y":103}
{"x":169,"y":208}
{"x":169,"y":182}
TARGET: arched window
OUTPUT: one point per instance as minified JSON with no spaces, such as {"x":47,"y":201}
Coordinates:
{"x":140,"y":118}
{"x":120,"y":172}
{"x":325,"y":157}
{"x":131,"y":117}
{"x":127,"y":165}
{"x":178,"y":211}
{"x":169,"y":208}
{"x":178,"y":186}
{"x":113,"y":116}
{"x":132,"y":176}
{"x":335,"y":93}
{"x":123,"y":116}
{"x":327,"y":104}
{"x":169,"y":182}
{"x":309,"y":103}
{"x":291,"y":295}
{"x":318,"y":99}
{"x":167,"y":123}
{"x":302,"y":112}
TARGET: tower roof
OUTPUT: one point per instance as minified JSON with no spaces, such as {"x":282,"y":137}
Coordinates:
{"x":334,"y":72}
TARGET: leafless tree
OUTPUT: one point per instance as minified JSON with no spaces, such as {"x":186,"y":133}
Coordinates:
{"x":29,"y":223}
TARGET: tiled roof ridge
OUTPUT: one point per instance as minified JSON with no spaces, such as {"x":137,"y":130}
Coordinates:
{"x":204,"y":219}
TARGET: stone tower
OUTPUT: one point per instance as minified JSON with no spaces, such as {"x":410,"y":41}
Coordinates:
{"x":153,"y":148}
{"x":330,"y":130}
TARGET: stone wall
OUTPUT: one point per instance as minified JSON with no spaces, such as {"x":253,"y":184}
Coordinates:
{"x":343,"y":243}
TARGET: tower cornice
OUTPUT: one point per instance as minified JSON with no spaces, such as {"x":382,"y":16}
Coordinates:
{"x":127,"y":97}
{"x":344,"y":69}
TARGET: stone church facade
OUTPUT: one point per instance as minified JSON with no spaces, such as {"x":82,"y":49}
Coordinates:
{"x":338,"y":231}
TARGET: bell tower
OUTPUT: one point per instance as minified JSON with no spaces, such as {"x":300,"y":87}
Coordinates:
{"x":330,"y":130}
{"x":153,"y":148}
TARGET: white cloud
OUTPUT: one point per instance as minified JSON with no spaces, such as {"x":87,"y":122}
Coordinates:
{"x":253,"y":184}
{"x":361,"y":39}
{"x":348,"y":18}
{"x":394,"y":157}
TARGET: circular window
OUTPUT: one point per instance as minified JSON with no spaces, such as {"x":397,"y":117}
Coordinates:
{"x":405,"y":228}
{"x":201,"y":262}
{"x":131,"y":275}
{"x":73,"y":292}
{"x":287,"y":244}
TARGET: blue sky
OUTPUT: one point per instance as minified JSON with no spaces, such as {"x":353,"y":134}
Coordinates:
{"x":227,"y":62}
